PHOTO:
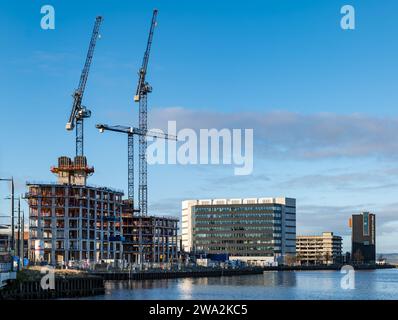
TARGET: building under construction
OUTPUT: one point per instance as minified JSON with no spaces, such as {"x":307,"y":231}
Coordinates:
{"x":158,"y":237}
{"x":74,"y":223}
{"x":71,"y":221}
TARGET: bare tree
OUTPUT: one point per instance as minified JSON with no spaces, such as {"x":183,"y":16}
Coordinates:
{"x":299,"y":258}
{"x":290,"y":259}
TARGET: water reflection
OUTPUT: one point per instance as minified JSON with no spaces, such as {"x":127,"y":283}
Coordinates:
{"x":185,"y":287}
{"x":275,"y":278}
{"x":269,"y":279}
{"x":189,"y":288}
{"x":324,"y":285}
{"x":137,"y":285}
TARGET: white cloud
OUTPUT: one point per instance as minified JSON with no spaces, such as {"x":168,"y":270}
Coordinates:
{"x":302,"y":136}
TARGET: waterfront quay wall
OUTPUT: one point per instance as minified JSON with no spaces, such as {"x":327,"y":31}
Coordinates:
{"x":152,"y":275}
{"x":64,"y":288}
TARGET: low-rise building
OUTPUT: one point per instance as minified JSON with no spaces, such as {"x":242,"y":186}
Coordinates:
{"x":5,"y":257}
{"x":5,"y":239}
{"x":319,"y":249}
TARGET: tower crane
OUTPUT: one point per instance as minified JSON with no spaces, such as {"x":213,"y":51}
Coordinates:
{"x":143,"y":88}
{"x":131,"y":131}
{"x":79,"y":112}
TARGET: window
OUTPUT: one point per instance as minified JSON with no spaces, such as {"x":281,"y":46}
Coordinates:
{"x":365,"y":223}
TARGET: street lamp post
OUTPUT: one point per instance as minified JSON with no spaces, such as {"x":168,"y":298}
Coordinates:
{"x":17,"y":245}
{"x":23,"y":237}
{"x":19,"y":234}
{"x":12,"y":219}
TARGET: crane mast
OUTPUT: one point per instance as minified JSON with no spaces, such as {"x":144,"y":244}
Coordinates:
{"x":80,"y":112}
{"x":143,"y":88}
{"x":131,"y":132}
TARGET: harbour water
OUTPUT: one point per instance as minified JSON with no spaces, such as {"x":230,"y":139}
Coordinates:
{"x":272,"y":285}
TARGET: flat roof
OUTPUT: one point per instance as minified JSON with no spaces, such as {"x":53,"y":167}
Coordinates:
{"x":88,"y":186}
{"x":231,"y":201}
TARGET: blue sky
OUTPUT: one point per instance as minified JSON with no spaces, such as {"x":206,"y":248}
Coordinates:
{"x":322,"y":101}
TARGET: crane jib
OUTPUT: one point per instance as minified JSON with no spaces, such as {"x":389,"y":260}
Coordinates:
{"x":141,"y":81}
{"x":78,"y":112}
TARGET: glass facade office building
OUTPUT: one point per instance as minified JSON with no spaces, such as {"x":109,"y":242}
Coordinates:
{"x":258,"y":230}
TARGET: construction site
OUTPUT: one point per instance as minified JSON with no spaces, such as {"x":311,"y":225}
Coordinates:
{"x":72,"y":223}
